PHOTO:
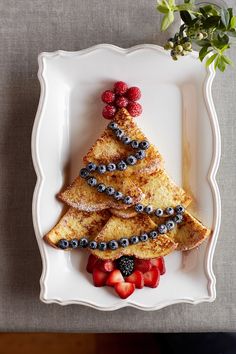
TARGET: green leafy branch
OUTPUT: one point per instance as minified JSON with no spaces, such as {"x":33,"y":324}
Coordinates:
{"x":208,"y":26}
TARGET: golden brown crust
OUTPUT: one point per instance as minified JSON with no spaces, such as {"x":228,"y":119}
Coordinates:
{"x":190,"y":233}
{"x":83,"y":197}
{"x":77,"y":224}
{"x":117,"y":228}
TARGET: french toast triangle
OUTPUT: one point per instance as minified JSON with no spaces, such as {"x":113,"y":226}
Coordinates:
{"x":82,"y":197}
{"x":159,"y":191}
{"x":189,"y":234}
{"x":117,"y":228}
{"x":109,"y":149}
{"x":75,"y":224}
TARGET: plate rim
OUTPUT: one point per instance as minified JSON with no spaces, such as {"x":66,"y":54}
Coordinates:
{"x":211,"y":178}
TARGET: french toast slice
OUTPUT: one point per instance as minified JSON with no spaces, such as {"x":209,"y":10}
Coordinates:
{"x":189,"y":234}
{"x":81,"y":196}
{"x":117,"y":228}
{"x":159,"y":191}
{"x":109,"y":149}
{"x":77,"y":224}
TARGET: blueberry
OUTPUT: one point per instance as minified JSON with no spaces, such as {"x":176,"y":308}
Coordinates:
{"x":92,"y":182}
{"x":110,"y":190}
{"x":92,"y":245}
{"x":140,"y":154}
{"x":180,"y":209}
{"x":153,"y":234}
{"x":170,"y":225}
{"x":134,"y":144}
{"x":119,"y":133}
{"x":101,"y":169}
{"x":124,"y":242}
{"x":131,"y":160}
{"x":139,"y":208}
{"x":63,"y":244}
{"x":159,"y":212}
{"x":144,"y":145}
{"x":118,"y":195}
{"x":121,"y":166}
{"x":101,"y":188}
{"x":113,"y":245}
{"x":91,"y":166}
{"x":162,"y":229}
{"x":128,"y":200}
{"x":143,"y":237}
{"x":74,"y":243}
{"x":102,"y":246}
{"x":134,"y":240}
{"x":112,"y":125}
{"x":83,"y":242}
{"x":111,"y":167}
{"x":84,"y":173}
{"x":125,"y":140}
{"x":169,"y":211}
{"x":148,"y":209}
{"x":178,"y":218}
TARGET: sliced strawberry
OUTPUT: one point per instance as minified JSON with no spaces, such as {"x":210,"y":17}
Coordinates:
{"x":160,"y":264}
{"x":92,"y":260}
{"x":106,"y":266}
{"x":114,"y":277}
{"x":152,"y":277}
{"x":136,"y":278}
{"x":144,"y":265}
{"x":124,"y":290}
{"x":99,"y":277}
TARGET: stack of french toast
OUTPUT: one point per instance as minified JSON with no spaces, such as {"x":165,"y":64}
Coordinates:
{"x":99,"y":221}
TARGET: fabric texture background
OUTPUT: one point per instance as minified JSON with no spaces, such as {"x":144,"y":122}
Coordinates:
{"x":28,"y":27}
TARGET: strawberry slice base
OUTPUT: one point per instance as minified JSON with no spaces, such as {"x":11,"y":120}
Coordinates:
{"x":124,"y":289}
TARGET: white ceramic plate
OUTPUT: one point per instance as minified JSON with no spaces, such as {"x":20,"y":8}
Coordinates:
{"x":178,"y":117}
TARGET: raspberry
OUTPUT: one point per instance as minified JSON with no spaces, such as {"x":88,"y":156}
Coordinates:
{"x":134,"y":109}
{"x":108,"y":96}
{"x":120,"y":88}
{"x":133,"y":93}
{"x":109,"y":111}
{"x":121,"y":102}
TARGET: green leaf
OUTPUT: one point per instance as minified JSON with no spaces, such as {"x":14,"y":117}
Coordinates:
{"x":186,"y":17}
{"x":233,"y":22}
{"x":220,"y":64}
{"x":225,"y":17}
{"x":167,"y":20}
{"x":227,"y":60}
{"x":203,"y":52}
{"x":163,"y":9}
{"x":211,"y":59}
{"x":212,"y":21}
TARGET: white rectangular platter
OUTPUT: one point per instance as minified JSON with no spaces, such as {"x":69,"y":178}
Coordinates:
{"x":178,"y":117}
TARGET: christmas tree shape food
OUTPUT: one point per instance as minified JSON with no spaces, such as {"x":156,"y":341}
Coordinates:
{"x":146,"y":181}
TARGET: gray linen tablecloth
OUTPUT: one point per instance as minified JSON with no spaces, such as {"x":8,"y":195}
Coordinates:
{"x":29,"y":27}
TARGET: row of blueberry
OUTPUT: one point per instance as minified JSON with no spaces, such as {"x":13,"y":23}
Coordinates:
{"x":124,"y":241}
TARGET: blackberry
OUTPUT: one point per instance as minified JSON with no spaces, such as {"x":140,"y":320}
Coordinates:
{"x":126,"y":265}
